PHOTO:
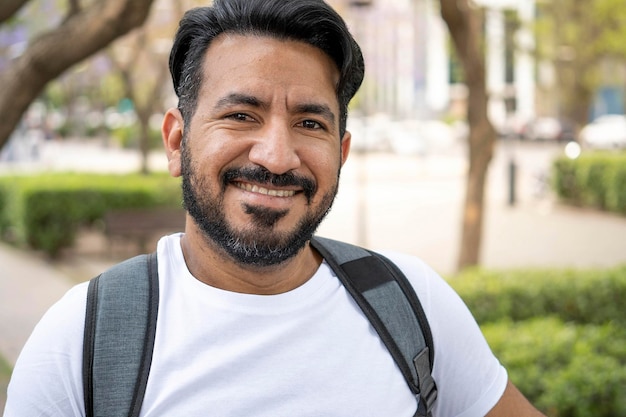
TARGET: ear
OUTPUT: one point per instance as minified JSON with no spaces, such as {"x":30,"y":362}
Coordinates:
{"x":172,"y":133}
{"x":345,"y":146}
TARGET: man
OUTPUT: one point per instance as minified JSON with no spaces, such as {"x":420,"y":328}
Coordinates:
{"x":252,"y":321}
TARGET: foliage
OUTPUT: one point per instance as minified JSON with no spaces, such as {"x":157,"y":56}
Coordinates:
{"x":559,"y":333}
{"x":566,"y":370}
{"x":128,"y":137}
{"x":580,"y":39}
{"x":5,"y":375}
{"x":596,"y":179}
{"x":581,"y":296}
{"x":4,"y":201}
{"x":45,"y":211}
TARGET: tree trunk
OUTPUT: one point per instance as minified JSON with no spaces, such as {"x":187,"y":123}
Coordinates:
{"x":465,"y":30}
{"x":132,"y":75}
{"x":144,"y":143}
{"x":50,"y":54}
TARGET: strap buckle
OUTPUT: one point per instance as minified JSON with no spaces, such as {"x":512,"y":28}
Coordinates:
{"x":425,"y":383}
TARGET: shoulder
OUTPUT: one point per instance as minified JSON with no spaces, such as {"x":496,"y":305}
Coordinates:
{"x":68,"y":312}
{"x":442,"y":305}
{"x":469,"y":377}
{"x":61,"y":326}
{"x":47,"y":377}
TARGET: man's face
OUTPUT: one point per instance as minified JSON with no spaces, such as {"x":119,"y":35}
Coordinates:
{"x":261,"y":156}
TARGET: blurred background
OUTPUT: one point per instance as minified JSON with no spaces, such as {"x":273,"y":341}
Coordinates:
{"x":547,"y":81}
{"x":488,"y":135}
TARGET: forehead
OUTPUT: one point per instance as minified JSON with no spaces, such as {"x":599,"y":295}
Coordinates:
{"x":267,"y":65}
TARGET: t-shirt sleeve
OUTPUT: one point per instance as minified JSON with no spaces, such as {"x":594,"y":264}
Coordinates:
{"x":469,"y":378}
{"x":47,"y":378}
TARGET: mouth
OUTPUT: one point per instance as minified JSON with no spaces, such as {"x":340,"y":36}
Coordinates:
{"x":272,"y":192}
{"x":262,"y":183}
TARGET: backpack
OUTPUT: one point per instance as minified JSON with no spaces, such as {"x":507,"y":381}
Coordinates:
{"x":122,"y":305}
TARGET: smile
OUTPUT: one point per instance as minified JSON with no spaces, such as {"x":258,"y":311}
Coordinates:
{"x":265,"y":191}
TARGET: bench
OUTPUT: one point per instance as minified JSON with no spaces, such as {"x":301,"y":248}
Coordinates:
{"x":141,"y":227}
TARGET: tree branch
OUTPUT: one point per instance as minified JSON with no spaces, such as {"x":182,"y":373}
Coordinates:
{"x":50,"y":54}
{"x":74,"y":8}
{"x":10,"y":7}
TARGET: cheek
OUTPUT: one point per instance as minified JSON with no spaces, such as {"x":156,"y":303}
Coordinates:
{"x":325,"y":167}
{"x":211,"y":157}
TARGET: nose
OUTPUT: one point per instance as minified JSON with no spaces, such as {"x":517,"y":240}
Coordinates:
{"x":275,"y":149}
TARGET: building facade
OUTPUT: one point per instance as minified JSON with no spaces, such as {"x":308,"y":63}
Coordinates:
{"x":411,"y":66}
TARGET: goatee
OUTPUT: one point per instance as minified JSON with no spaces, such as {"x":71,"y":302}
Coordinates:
{"x":257,"y":244}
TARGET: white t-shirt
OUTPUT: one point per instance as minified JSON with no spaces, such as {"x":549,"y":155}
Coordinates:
{"x":308,"y":352}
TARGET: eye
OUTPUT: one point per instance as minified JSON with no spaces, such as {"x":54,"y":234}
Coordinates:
{"x":240,"y":117}
{"x":311,"y":124}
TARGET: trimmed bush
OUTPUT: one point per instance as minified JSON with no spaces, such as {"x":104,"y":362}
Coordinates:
{"x":595,"y":179}
{"x":46,"y":211}
{"x":559,"y":333}
{"x":616,"y":195}
{"x":593,"y":296}
{"x":565,"y":370}
{"x":564,"y":180}
{"x":4,"y":201}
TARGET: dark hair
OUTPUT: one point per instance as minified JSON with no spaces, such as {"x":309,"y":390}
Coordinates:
{"x":310,"y":21}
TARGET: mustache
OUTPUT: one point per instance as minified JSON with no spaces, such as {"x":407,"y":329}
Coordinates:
{"x":262,"y":176}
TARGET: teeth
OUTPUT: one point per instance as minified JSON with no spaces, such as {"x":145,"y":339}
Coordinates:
{"x":265,"y":191}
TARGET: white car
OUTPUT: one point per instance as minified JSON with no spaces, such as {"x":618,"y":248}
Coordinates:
{"x":547,"y":129}
{"x":606,"y":132}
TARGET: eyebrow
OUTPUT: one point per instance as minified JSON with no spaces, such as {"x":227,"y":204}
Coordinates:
{"x":319,"y":109}
{"x":234,"y":99}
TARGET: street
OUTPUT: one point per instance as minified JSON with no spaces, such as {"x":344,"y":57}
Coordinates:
{"x":414,"y":205}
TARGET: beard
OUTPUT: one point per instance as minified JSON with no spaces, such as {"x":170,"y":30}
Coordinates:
{"x":257,"y":244}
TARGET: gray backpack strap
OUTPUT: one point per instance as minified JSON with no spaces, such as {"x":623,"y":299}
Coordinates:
{"x":388,"y":300}
{"x":120,"y":327}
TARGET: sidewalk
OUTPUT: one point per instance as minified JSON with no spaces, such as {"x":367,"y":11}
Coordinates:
{"x":415,"y":207}
{"x":28,"y":287}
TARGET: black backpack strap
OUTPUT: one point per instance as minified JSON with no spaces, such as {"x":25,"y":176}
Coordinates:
{"x":388,"y":300}
{"x":120,"y":328}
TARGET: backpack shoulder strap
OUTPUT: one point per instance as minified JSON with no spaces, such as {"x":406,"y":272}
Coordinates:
{"x":388,"y":300}
{"x":120,"y":327}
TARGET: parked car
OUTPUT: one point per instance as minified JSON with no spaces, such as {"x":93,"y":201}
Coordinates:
{"x":605,"y":132}
{"x":369,"y":134}
{"x":548,"y":129}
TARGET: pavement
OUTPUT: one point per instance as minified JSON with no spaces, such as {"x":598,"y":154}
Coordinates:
{"x":405,"y":203}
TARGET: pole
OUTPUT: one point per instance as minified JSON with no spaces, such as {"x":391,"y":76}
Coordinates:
{"x":512,"y":181}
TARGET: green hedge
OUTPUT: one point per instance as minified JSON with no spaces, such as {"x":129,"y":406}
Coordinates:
{"x":45,"y":211}
{"x":561,"y":334}
{"x":595,"y":179}
{"x":565,"y":370}
{"x":4,"y":201}
{"x":582,"y":296}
